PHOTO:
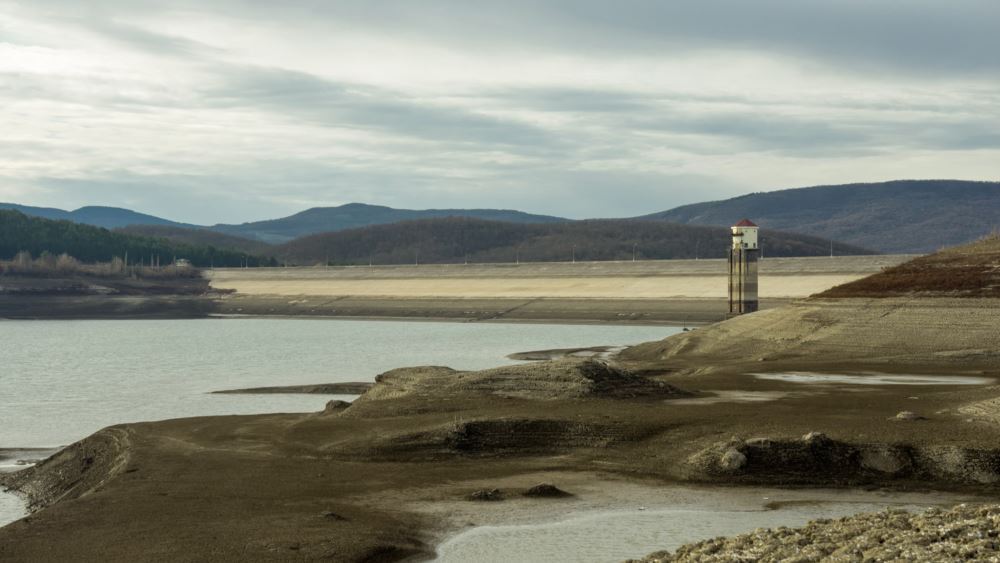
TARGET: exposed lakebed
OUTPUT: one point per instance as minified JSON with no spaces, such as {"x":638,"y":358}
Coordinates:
{"x":873,"y":378}
{"x":632,"y":520}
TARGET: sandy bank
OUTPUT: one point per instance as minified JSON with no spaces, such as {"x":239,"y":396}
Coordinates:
{"x":921,"y":334}
{"x":668,"y":279}
{"x":347,"y":388}
{"x":625,"y":311}
{"x":681,"y":292}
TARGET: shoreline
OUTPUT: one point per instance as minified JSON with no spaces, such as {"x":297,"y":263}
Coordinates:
{"x":382,"y":478}
{"x":668,"y":292}
{"x":610,"y":497}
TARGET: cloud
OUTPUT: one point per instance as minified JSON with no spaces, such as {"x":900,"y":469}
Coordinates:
{"x":324,"y":102}
{"x":231,"y":110}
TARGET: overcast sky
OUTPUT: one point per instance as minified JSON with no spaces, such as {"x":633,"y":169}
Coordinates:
{"x":234,"y":110}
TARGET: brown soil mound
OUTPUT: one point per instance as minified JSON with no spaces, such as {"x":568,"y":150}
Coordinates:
{"x":566,"y":379}
{"x":972,"y":270}
{"x":74,"y":471}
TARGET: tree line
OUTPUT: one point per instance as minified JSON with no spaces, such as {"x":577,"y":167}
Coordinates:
{"x":458,"y":239}
{"x":37,"y":236}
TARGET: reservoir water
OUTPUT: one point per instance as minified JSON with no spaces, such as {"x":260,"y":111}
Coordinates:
{"x":63,"y":380}
{"x":648,"y":519}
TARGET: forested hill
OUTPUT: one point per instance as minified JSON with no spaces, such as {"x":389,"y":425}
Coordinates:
{"x":354,"y":215}
{"x":19,"y":232}
{"x":905,"y":216}
{"x":453,"y":240}
{"x":98,"y":216}
{"x":199,"y":237}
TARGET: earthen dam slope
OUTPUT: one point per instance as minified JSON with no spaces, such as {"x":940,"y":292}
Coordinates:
{"x":678,"y":291}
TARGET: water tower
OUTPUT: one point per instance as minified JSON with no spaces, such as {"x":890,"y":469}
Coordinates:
{"x":743,"y":257}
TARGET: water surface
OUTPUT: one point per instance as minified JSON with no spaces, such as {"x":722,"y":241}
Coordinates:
{"x":63,"y":380}
{"x":670,"y":518}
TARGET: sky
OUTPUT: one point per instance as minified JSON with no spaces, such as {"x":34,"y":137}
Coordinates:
{"x":210,"y":111}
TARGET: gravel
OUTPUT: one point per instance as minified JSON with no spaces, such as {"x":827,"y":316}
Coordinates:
{"x":963,"y":533}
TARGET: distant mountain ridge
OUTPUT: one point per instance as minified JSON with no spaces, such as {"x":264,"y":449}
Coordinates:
{"x":276,"y":231}
{"x":903,"y":216}
{"x":88,"y":243}
{"x":198,"y":237}
{"x":95,"y":215}
{"x":457,"y":239}
{"x":355,"y":215}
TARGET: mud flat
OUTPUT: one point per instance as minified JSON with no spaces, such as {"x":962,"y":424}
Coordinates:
{"x":368,"y":481}
{"x":347,"y":388}
{"x":359,"y":482}
{"x":611,"y":519}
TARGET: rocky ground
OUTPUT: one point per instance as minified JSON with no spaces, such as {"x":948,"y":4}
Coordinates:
{"x":964,"y":533}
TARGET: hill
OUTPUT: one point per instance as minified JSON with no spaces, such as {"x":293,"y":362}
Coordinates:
{"x":355,"y":215}
{"x":906,"y":216}
{"x":971,"y":270}
{"x":98,"y":216}
{"x":454,"y":240}
{"x":199,"y":237}
{"x":19,"y":232}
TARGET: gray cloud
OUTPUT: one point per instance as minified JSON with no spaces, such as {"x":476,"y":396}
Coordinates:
{"x":918,"y":36}
{"x":319,"y":101}
{"x":121,"y":108}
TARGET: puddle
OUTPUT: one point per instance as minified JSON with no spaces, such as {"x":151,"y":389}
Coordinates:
{"x":736,"y":397}
{"x":15,"y":459}
{"x":665,"y":518}
{"x":874,"y":378}
{"x":11,"y":508}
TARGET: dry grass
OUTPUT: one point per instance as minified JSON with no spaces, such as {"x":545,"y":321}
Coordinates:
{"x":971,"y":270}
{"x":51,"y":266}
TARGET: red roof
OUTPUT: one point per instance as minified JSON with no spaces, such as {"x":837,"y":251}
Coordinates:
{"x":745,"y":223}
